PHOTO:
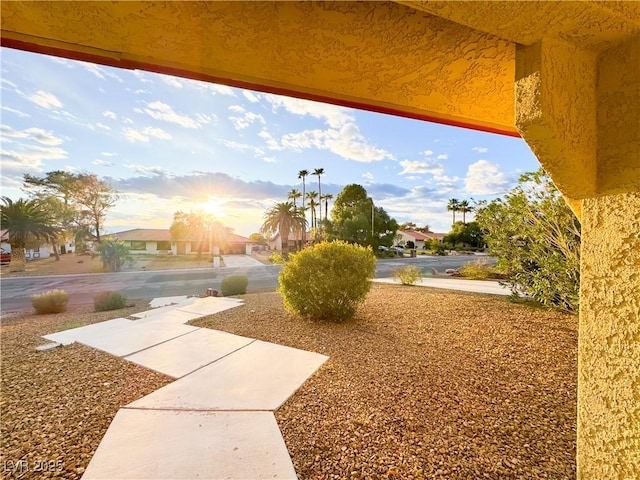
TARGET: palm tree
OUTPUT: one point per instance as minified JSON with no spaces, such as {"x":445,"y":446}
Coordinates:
{"x":453,"y":206}
{"x":303,"y":174}
{"x":326,"y":197}
{"x":25,"y":220}
{"x":319,"y":172}
{"x":294,"y":194}
{"x":465,"y":208}
{"x":284,"y":218}
{"x":312,"y":196}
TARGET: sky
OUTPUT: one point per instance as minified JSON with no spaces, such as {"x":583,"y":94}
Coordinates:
{"x":168,"y":144}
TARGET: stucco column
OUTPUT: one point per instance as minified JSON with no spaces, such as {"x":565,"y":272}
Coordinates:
{"x":580,"y":114}
{"x":609,"y":339}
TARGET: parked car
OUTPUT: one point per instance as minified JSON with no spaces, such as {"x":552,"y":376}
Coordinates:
{"x":5,"y":257}
{"x":382,"y":248}
{"x":398,"y":249}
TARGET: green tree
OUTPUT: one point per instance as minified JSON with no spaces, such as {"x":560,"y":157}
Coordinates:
{"x":536,"y":238}
{"x":319,"y":172}
{"x":294,"y":194}
{"x":356,"y":219}
{"x":258,"y":238}
{"x":302,"y":174}
{"x":453,"y":206}
{"x":25,"y":220}
{"x":283,"y":218}
{"x":199,"y":227}
{"x":326,"y":197}
{"x":465,"y":208}
{"x":407,"y":226}
{"x":312,"y":197}
{"x":468,"y":234}
{"x":114,"y":254}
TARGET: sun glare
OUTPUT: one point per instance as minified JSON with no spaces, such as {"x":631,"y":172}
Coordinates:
{"x":215,"y":207}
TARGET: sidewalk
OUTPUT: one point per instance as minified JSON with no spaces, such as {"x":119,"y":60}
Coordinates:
{"x":216,"y":420}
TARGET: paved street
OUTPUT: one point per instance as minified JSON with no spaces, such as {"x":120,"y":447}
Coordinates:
{"x":15,"y":292}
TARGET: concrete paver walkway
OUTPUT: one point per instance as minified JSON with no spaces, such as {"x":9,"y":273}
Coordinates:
{"x":216,"y":420}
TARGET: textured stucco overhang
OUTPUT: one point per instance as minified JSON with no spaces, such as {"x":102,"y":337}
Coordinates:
{"x":472,"y":64}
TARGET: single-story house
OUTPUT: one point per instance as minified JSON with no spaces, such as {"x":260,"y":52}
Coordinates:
{"x":418,"y":238}
{"x":33,"y":250}
{"x":157,"y":241}
{"x":275,"y":243}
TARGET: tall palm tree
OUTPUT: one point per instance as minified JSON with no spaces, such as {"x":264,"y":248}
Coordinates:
{"x":453,"y":206}
{"x":294,"y":194}
{"x":303,"y":174}
{"x":326,"y":197}
{"x":319,"y":172}
{"x":312,"y":197}
{"x":284,"y":218}
{"x":25,"y":220}
{"x":465,"y":208}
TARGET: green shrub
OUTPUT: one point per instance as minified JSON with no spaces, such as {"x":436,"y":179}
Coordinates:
{"x":436,"y":247}
{"x":408,"y":275}
{"x":53,"y":301}
{"x":327,"y":280}
{"x":478,"y":270}
{"x":234,"y":285}
{"x":276,"y":258}
{"x":105,"y":301}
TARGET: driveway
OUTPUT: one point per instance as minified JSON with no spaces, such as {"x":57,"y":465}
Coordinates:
{"x":241,"y":261}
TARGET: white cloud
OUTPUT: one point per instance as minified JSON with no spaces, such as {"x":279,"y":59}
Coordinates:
{"x":486,"y":178}
{"x":143,"y":135}
{"x":269,"y":159}
{"x":141,"y":76}
{"x":427,"y":166}
{"x":17,"y":112}
{"x":172,"y":81}
{"x":244,"y":119}
{"x":108,"y":154}
{"x":334,"y":116}
{"x":45,"y":99}
{"x":141,"y":91}
{"x":100,"y":72}
{"x":32,"y":155}
{"x":146,"y":171}
{"x":250,"y":96}
{"x":444,"y":156}
{"x":346,"y":142}
{"x":272,"y":143}
{"x":103,"y":126}
{"x":162,"y":111}
{"x":4,"y":81}
{"x":39,"y":135}
{"x":110,"y":114}
{"x":427,"y":153}
{"x":103,"y":163}
{"x":480,"y":149}
{"x":368,"y":176}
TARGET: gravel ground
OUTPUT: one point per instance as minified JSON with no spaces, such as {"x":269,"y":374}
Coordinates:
{"x":422,"y":384}
{"x":56,"y":406}
{"x":427,"y":384}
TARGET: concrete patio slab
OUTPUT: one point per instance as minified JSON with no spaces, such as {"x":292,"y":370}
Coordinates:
{"x":477,"y":286}
{"x":211,"y":305}
{"x":158,"y":445}
{"x":125,"y":341}
{"x":260,"y":376}
{"x":164,"y":301}
{"x":185,"y":354}
{"x":169,"y":316}
{"x":67,"y":337}
{"x":159,"y":310}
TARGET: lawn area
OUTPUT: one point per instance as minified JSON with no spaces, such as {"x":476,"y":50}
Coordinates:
{"x":422,"y":384}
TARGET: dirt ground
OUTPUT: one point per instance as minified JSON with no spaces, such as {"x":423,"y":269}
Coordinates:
{"x":79,"y":263}
{"x":423,"y":383}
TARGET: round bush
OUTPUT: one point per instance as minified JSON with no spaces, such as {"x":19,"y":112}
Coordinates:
{"x":53,"y":301}
{"x":234,"y":285}
{"x":328,"y":280}
{"x":408,"y":275}
{"x":106,"y":301}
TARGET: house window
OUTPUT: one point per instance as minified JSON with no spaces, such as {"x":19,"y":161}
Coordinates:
{"x":164,"y":245}
{"x":138,"y":245}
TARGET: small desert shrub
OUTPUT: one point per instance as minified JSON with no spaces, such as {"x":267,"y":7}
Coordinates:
{"x":276,"y":258}
{"x":478,"y":270}
{"x":327,"y":280}
{"x":408,"y":275}
{"x":109,"y":301}
{"x":234,"y":285}
{"x":53,"y":301}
